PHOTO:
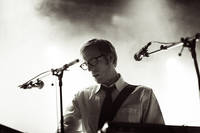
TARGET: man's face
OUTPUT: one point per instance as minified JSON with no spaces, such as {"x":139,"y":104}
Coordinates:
{"x":98,"y":65}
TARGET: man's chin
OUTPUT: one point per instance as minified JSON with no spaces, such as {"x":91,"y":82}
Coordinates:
{"x":98,"y":80}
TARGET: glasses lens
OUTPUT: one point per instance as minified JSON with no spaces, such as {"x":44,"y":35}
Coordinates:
{"x":93,"y":62}
{"x":84,"y":66}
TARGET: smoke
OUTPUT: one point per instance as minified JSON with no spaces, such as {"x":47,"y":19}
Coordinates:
{"x":85,"y":12}
{"x":128,"y":19}
{"x":186,"y":15}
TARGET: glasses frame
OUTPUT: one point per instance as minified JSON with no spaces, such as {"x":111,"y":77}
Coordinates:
{"x":87,"y":63}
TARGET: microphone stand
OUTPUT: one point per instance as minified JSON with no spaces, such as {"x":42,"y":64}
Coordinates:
{"x":38,"y":83}
{"x":185,"y":42}
{"x":192,"y":47}
{"x":59,"y":74}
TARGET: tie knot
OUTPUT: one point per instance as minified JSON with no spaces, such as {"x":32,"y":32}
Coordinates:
{"x":109,"y":89}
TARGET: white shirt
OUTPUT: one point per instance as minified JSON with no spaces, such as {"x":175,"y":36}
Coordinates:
{"x":141,"y":106}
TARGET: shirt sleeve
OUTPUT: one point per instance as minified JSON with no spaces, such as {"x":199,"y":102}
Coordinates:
{"x":151,"y":109}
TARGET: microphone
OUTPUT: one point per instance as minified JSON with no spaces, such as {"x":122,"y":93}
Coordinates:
{"x":70,"y":64}
{"x":142,"y":52}
{"x":30,"y":84}
{"x":64,"y":67}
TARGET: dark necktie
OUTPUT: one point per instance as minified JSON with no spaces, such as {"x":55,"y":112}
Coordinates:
{"x":106,"y":111}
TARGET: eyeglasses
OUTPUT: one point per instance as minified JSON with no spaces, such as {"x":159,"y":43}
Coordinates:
{"x":92,"y":62}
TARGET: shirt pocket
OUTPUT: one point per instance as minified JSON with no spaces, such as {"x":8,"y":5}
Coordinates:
{"x":128,"y":114}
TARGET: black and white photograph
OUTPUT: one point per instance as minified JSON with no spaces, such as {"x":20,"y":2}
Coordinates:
{"x":99,"y":66}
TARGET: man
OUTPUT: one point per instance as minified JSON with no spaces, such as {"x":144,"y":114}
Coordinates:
{"x":88,"y":105}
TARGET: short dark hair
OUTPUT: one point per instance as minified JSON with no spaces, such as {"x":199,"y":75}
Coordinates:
{"x":105,"y":48}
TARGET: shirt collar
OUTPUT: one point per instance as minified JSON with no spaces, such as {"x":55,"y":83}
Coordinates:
{"x":120,"y":84}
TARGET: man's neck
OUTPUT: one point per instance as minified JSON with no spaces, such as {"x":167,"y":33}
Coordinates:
{"x":112,"y":80}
